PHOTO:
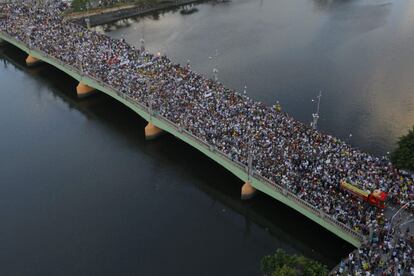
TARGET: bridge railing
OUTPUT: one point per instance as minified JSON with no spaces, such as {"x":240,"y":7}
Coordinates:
{"x":280,"y":189}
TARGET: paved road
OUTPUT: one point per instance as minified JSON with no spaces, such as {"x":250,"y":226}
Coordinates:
{"x":404,"y":219}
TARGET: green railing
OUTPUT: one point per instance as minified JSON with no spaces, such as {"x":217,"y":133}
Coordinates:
{"x":240,"y":170}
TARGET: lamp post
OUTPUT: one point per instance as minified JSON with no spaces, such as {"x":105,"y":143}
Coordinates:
{"x":315,"y":116}
{"x":150,"y":99}
{"x":405,"y":206}
{"x":79,"y":55}
{"x":142,"y":42}
{"x":249,"y":166}
{"x":215,"y":70}
{"x":30,"y":21}
{"x":88,"y":23}
{"x":405,"y":223}
{"x":215,"y":73}
{"x":394,"y":238}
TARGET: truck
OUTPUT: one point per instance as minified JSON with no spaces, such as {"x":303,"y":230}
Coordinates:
{"x":376,"y":197}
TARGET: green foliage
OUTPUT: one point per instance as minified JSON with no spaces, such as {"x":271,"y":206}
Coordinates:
{"x":285,"y":271}
{"x":291,"y":265}
{"x":82,"y":5}
{"x":79,"y":5}
{"x":403,"y":156}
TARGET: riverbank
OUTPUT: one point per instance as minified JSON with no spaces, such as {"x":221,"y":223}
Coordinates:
{"x":108,"y":15}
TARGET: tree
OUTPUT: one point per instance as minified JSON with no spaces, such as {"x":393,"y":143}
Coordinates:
{"x":283,"y":264}
{"x":285,"y":271}
{"x":403,"y":156}
{"x":79,"y":5}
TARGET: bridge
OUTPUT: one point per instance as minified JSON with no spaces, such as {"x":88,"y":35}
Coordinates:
{"x":157,"y":123}
{"x":61,"y":47}
{"x":18,"y":32}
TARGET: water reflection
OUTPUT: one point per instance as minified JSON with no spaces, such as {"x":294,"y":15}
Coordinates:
{"x":324,"y":5}
{"x":356,"y":52}
{"x":188,"y":10}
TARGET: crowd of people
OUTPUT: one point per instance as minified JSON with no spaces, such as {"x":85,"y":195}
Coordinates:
{"x":307,"y":162}
{"x":389,"y":252}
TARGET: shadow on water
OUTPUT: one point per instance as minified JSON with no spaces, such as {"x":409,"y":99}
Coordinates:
{"x":289,"y":228}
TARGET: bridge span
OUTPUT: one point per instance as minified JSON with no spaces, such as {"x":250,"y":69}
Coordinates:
{"x":157,"y":123}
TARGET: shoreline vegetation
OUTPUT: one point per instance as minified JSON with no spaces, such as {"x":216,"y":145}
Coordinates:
{"x":102,"y":12}
{"x":403,"y":155}
{"x":283,"y":264}
{"x":79,"y":7}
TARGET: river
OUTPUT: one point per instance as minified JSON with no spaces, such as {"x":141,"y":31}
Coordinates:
{"x":83,"y":193}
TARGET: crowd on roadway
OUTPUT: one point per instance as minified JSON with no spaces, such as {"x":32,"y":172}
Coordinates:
{"x":308,"y":163}
{"x":388,"y":252}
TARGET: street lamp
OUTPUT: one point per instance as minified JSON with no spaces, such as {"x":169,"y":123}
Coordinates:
{"x":215,"y":70}
{"x":142,"y":41}
{"x":249,"y":166}
{"x":315,"y":116}
{"x":405,"y":206}
{"x":405,"y":223}
{"x":215,"y":73}
{"x":150,"y":99}
{"x":88,"y":23}
{"x":79,"y":55}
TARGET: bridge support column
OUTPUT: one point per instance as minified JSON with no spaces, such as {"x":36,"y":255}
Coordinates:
{"x":84,"y":90}
{"x":247,"y":191}
{"x":32,"y":61}
{"x":152,"y":132}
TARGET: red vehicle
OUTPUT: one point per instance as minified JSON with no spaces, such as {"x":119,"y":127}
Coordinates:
{"x":376,"y":197}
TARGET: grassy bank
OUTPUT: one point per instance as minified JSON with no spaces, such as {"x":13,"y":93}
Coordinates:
{"x":93,"y":6}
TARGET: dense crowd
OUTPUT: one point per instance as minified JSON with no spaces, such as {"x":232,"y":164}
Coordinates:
{"x":389,"y":252}
{"x":308,"y":163}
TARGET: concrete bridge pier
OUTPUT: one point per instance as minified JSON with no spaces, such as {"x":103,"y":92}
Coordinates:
{"x":152,"y":132}
{"x":32,"y":61}
{"x":84,"y":90}
{"x":247,"y":191}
